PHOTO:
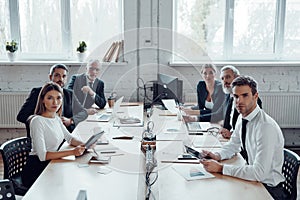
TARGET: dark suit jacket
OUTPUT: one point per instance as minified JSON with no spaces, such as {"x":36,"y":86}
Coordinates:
{"x":210,"y":115}
{"x":71,"y":107}
{"x":78,"y":81}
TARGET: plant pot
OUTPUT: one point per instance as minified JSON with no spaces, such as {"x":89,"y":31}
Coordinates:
{"x":11,"y":56}
{"x":80,"y":56}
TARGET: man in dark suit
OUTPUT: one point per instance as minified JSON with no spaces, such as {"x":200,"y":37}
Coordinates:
{"x":228,"y":74}
{"x":88,"y":88}
{"x":73,"y":112}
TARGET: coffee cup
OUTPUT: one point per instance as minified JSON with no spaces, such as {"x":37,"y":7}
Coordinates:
{"x":111,"y":102}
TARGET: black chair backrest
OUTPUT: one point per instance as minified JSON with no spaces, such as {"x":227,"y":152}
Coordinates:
{"x":27,"y":125}
{"x":14,"y":154}
{"x":290,"y":171}
{"x":7,"y":190}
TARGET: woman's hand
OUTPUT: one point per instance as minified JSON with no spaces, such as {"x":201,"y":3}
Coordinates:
{"x":78,"y":151}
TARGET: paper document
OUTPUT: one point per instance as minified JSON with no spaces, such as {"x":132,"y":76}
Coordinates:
{"x":192,"y":171}
{"x":170,"y":105}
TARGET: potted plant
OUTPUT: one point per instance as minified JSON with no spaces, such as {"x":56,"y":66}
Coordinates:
{"x":11,"y":48}
{"x":81,"y":50}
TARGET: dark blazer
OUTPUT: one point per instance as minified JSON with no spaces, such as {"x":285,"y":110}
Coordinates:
{"x":77,"y":81}
{"x":71,"y":107}
{"x":218,"y":98}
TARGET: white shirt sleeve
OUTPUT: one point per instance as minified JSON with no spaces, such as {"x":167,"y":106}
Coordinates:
{"x":38,"y":139}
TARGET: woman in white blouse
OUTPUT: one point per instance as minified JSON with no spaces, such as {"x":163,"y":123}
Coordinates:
{"x":48,"y":133}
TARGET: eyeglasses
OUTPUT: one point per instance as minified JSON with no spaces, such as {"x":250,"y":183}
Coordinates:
{"x":214,"y":131}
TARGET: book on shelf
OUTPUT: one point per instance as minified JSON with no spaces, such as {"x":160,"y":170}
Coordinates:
{"x":115,"y":52}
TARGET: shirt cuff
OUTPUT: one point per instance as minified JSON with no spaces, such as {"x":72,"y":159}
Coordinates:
{"x":94,"y":96}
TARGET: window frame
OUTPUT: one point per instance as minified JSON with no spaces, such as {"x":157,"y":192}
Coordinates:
{"x":228,"y":53}
{"x":68,"y":54}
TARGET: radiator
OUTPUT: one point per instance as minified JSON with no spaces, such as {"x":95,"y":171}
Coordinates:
{"x":10,"y":104}
{"x":283,"y":107}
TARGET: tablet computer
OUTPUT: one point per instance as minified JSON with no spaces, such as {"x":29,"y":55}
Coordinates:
{"x":93,"y":139}
{"x":195,"y":153}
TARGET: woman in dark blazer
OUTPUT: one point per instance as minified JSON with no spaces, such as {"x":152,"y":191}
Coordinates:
{"x":210,"y":94}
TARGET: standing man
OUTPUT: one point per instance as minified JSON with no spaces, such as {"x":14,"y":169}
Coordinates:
{"x":88,"y":88}
{"x":259,"y":137}
{"x":72,"y":113}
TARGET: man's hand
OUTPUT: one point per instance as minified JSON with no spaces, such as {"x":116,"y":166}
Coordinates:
{"x":66,"y":121}
{"x":225,"y":133}
{"x":214,"y":156}
{"x":188,"y":118}
{"x":91,"y":111}
{"x":212,"y":165}
{"x":87,"y":90}
{"x":189,"y":111}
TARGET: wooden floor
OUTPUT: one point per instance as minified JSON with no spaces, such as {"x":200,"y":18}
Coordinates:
{"x":298,"y":179}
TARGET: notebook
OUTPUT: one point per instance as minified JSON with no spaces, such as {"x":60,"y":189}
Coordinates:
{"x":197,"y":127}
{"x":105,"y":117}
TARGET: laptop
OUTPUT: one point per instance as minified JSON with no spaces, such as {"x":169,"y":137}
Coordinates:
{"x":197,"y":127}
{"x":105,"y":117}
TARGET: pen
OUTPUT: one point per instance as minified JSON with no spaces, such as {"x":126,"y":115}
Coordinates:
{"x":195,"y":133}
{"x":104,"y":152}
{"x":123,"y":138}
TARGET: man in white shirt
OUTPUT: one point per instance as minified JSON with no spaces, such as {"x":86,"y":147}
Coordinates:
{"x":261,"y":143}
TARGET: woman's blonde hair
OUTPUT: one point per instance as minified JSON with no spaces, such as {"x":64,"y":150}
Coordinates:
{"x":40,"y":106}
{"x":211,"y":66}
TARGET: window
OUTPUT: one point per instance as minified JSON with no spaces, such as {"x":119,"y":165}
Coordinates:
{"x":52,"y":29}
{"x":236,"y":30}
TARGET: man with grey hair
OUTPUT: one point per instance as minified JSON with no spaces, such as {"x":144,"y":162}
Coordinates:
{"x":228,"y":74}
{"x":88,"y":88}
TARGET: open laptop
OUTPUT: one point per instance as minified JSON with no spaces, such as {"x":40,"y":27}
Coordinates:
{"x":197,"y":127}
{"x":105,"y":117}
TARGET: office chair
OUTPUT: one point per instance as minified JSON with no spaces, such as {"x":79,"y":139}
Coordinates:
{"x":7,"y":191}
{"x":290,"y":170}
{"x":14,"y":154}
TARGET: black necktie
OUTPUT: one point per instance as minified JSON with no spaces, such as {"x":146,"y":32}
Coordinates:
{"x":244,"y":152}
{"x":227,"y":114}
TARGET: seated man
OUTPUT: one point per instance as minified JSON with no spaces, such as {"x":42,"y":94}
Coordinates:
{"x":88,"y":88}
{"x":228,"y":74}
{"x":73,"y":112}
{"x":260,"y":139}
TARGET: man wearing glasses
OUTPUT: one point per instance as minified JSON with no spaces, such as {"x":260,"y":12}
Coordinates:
{"x":88,"y":88}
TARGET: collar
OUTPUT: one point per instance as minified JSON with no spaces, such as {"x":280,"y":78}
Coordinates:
{"x":252,"y":114}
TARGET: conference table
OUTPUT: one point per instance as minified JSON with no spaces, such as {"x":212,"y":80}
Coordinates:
{"x":123,"y":176}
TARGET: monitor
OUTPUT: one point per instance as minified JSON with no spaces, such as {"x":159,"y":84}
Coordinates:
{"x":167,"y":87}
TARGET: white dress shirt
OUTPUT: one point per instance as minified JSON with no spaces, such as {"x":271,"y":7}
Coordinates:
{"x":264,"y":144}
